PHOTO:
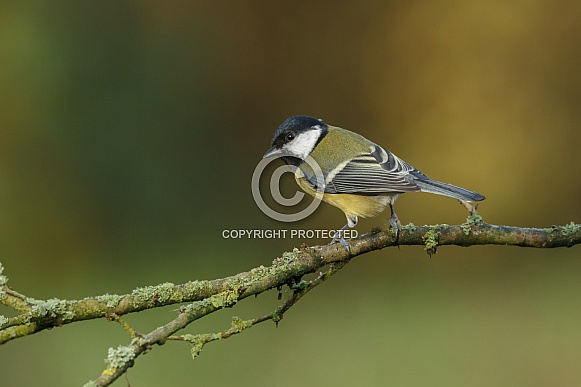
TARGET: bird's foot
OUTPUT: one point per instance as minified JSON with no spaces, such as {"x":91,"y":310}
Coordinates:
{"x":338,"y":237}
{"x":395,"y":225}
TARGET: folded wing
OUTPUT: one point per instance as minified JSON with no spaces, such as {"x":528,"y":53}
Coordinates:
{"x":381,"y":172}
{"x":377,"y":172}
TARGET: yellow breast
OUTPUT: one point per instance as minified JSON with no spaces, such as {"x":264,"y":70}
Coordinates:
{"x":363,"y":206}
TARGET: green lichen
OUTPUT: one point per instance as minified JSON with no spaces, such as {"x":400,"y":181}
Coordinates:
{"x":198,"y":341}
{"x":280,"y":263}
{"x":140,"y":341}
{"x":119,"y":357}
{"x":256,"y":274}
{"x":259,"y":271}
{"x":280,"y":266}
{"x":53,"y":308}
{"x":570,"y":229}
{"x":91,"y":383}
{"x":277,"y":315}
{"x":191,"y":288}
{"x":290,"y":256}
{"x":3,"y":320}
{"x":161,"y":293}
{"x":472,"y":221}
{"x":430,"y":239}
{"x":111,"y":300}
{"x":221,"y":300}
{"x":299,"y":286}
{"x":196,"y":306}
{"x":226,"y":298}
{"x":164,"y":292}
{"x":238,"y":325}
{"x":218,"y":301}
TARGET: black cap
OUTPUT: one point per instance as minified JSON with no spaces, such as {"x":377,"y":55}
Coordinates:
{"x":298,"y":124}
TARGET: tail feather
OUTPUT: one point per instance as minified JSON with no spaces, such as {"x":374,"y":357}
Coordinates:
{"x":450,"y":190}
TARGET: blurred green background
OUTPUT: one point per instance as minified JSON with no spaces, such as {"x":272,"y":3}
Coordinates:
{"x":129,"y":132}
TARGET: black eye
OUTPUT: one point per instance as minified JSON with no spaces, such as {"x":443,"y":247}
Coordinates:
{"x":290,"y":136}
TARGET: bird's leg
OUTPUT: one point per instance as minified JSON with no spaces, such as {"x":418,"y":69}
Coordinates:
{"x":394,"y":223}
{"x":469,"y":206}
{"x":338,"y":237}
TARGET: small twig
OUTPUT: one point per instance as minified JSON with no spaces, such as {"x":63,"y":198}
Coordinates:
{"x":279,"y":312}
{"x":15,"y":300}
{"x":122,"y":358}
{"x":116,"y":318}
{"x":200,"y":340}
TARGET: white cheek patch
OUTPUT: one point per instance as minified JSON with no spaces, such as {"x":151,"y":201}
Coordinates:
{"x":303,"y":144}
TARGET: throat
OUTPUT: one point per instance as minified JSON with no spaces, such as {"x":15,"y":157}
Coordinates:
{"x":289,"y":160}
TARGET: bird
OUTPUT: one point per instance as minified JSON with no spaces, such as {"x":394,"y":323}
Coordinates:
{"x":353,"y":173}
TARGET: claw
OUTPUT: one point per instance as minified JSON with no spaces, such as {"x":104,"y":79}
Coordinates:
{"x":345,"y":244}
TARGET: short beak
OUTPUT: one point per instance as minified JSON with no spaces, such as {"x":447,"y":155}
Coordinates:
{"x":272,"y":152}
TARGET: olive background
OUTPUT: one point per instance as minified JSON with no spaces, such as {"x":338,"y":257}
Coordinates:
{"x":129,"y":132}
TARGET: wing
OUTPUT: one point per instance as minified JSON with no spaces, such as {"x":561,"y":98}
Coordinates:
{"x":377,"y":172}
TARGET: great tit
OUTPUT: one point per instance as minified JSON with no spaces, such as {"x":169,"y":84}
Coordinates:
{"x":358,"y":176}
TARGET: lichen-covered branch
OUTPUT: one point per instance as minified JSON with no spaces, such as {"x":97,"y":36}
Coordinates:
{"x":36,"y":315}
{"x":122,"y":358}
{"x":209,"y":295}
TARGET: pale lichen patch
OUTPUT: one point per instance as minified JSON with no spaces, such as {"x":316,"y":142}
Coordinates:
{"x":110,"y":300}
{"x":140,"y":341}
{"x":161,"y":293}
{"x":118,"y":357}
{"x":53,"y":308}
{"x":570,"y":229}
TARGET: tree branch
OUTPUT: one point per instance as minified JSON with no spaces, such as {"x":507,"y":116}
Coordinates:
{"x":205,"y":297}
